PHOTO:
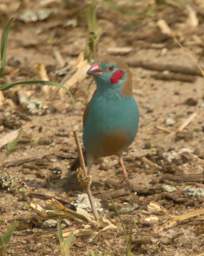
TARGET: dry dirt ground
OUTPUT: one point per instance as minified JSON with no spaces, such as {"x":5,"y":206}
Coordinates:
{"x":164,"y":213}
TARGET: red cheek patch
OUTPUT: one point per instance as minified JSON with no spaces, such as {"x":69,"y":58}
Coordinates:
{"x":117,"y":75}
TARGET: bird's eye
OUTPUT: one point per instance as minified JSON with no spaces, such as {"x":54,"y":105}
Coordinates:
{"x":111,"y":68}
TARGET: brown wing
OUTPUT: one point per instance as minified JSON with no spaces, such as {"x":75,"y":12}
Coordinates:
{"x":127,"y":89}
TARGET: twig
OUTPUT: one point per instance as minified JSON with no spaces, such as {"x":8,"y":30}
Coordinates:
{"x":88,"y":185}
{"x":46,"y":196}
{"x":151,"y":163}
{"x":21,"y":161}
{"x":177,"y":178}
{"x":9,"y":137}
{"x":146,"y":64}
{"x":59,"y":58}
{"x":174,"y":77}
{"x":115,"y":194}
{"x":163,"y":129}
{"x":44,"y":76}
{"x":176,"y":220}
{"x":164,"y":27}
{"x":2,"y":98}
{"x":57,"y":210}
{"x":46,"y":2}
{"x":187,"y":122}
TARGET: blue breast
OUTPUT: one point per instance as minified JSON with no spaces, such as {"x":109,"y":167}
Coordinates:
{"x":109,"y":113}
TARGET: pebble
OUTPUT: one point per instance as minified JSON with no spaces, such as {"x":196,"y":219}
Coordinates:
{"x":168,"y":188}
{"x":191,"y":102}
{"x":150,"y":220}
{"x":171,"y":156}
{"x":195,"y":192}
{"x":170,"y":121}
{"x":50,"y":223}
{"x":82,"y":202}
{"x":154,"y":207}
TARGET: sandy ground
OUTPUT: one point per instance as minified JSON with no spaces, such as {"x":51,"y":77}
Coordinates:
{"x":165,"y":165}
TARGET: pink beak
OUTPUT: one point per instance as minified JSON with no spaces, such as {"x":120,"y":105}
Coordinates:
{"x":94,"y":70}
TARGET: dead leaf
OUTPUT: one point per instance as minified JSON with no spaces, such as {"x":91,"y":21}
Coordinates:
{"x":34,"y":16}
{"x":164,"y":27}
{"x":119,"y":50}
{"x":176,"y":220}
{"x":2,"y":99}
{"x":186,"y":122}
{"x":80,"y":74}
{"x":192,"y":17}
{"x":9,"y":137}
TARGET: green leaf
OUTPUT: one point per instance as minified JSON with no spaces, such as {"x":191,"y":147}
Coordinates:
{"x":6,"y":237}
{"x":7,"y":86}
{"x":128,"y":249}
{"x":3,"y":47}
{"x":11,"y":146}
{"x":93,"y":30}
{"x":65,"y":243}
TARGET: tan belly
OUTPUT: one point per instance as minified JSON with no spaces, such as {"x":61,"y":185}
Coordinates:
{"x":112,"y":144}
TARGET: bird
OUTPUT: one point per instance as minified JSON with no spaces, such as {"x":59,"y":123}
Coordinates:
{"x":111,"y":118}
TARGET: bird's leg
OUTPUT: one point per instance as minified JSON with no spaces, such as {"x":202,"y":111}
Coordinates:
{"x":125,"y":173}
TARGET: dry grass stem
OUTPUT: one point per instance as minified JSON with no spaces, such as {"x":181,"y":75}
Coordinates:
{"x":187,"y":122}
{"x":58,"y":56}
{"x":87,"y":177}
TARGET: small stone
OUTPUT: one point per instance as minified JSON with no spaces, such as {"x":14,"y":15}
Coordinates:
{"x":33,"y":16}
{"x":66,"y":222}
{"x":171,"y":156}
{"x":82,"y":202}
{"x":150,"y":220}
{"x":184,"y":135}
{"x":128,"y":209}
{"x":191,"y":102}
{"x":194,"y":192}
{"x":202,"y":104}
{"x":154,"y":207}
{"x":7,"y":182}
{"x":168,"y":188}
{"x":147,"y":145}
{"x":185,"y":150}
{"x":50,"y":223}
{"x":71,"y":23}
{"x":163,"y":51}
{"x":170,"y":121}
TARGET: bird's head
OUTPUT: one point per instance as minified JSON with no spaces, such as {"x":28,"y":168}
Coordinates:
{"x":111,"y":76}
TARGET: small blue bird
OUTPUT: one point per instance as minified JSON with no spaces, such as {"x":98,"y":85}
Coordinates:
{"x":111,"y":117}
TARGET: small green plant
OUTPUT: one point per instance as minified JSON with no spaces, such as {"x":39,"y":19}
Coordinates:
{"x":6,"y":237}
{"x":11,"y":146}
{"x":3,"y":48}
{"x":93,"y":31}
{"x":65,"y":243}
{"x":3,"y":61}
{"x":128,"y":248}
